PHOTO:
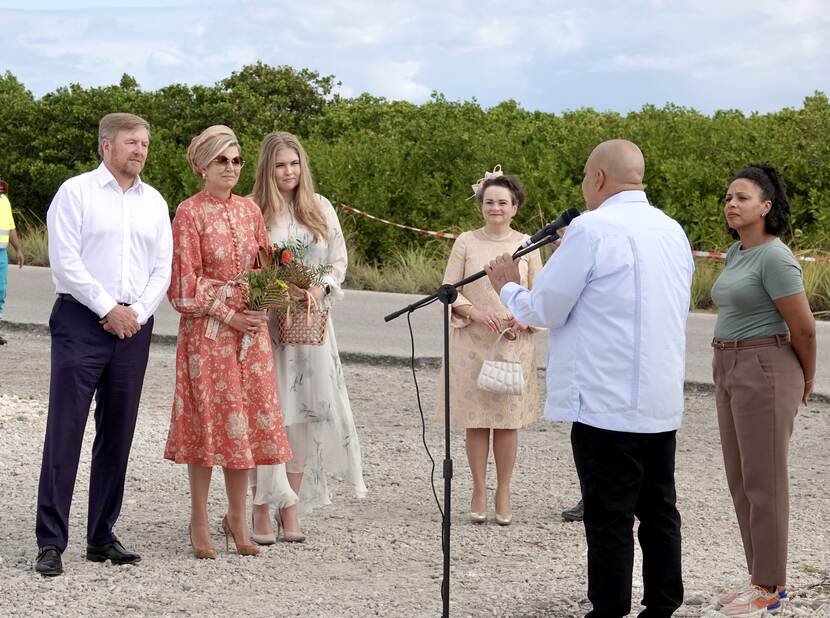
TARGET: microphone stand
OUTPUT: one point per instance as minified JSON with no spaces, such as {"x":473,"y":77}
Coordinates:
{"x":447,"y":294}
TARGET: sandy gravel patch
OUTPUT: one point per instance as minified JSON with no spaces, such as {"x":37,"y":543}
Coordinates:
{"x":380,"y":556}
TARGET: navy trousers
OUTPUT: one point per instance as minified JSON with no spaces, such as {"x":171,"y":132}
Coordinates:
{"x":624,"y":475}
{"x":87,"y":361}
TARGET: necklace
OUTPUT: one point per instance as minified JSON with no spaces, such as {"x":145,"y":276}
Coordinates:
{"x":488,"y":237}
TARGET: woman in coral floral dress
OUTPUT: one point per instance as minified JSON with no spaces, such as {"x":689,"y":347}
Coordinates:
{"x":225,"y":411}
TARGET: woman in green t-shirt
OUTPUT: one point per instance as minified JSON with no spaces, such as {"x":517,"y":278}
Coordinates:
{"x":764,"y":365}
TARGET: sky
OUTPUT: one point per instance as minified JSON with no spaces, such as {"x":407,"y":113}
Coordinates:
{"x":548,"y":55}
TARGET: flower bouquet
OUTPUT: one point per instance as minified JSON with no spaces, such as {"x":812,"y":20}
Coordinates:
{"x":266,"y":290}
{"x":289,"y":261}
{"x":290,"y":266}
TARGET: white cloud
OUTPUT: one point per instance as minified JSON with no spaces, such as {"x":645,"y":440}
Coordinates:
{"x":705,"y":51}
{"x":396,"y":80}
{"x":492,"y":34}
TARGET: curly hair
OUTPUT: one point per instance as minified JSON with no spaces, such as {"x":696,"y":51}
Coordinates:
{"x":768,"y":179}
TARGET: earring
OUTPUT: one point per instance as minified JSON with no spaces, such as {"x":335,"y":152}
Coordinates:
{"x":763,"y":214}
{"x":205,"y":176}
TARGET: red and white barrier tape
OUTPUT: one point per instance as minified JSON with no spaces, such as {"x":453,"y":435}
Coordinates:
{"x":363,"y":213}
{"x":709,"y":254}
{"x":704,"y":254}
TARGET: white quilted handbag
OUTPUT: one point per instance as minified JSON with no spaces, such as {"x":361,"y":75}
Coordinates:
{"x":501,"y":376}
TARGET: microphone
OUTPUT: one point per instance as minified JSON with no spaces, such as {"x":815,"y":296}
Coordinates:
{"x":553,"y":227}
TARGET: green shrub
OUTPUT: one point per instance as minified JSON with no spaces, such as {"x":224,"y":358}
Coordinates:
{"x":414,"y":163}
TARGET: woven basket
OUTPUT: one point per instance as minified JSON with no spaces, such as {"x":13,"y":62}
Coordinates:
{"x":302,"y":328}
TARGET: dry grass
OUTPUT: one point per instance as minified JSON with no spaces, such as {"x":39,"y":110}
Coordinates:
{"x":817,"y":285}
{"x":420,"y":270}
{"x":31,"y":231}
{"x":412,"y":271}
{"x":706,"y":272}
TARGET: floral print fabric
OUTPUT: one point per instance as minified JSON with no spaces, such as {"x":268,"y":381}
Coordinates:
{"x":225,"y":412}
{"x":318,"y":415}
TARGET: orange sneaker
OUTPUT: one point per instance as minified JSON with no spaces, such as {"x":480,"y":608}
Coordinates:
{"x":727,"y":597}
{"x":749,"y":602}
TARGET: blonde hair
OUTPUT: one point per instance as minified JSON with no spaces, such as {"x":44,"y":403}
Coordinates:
{"x":266,"y":192}
{"x":111,"y":124}
{"x":208,"y":144}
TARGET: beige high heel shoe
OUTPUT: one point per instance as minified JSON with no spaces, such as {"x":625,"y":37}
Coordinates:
{"x":202,"y":553}
{"x":269,"y":538}
{"x":285,"y":535}
{"x":503,"y":519}
{"x":478,"y":518}
{"x":242,"y":550}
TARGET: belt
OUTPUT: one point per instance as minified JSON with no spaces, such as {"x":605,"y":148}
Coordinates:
{"x":72,"y":299}
{"x":721,"y":344}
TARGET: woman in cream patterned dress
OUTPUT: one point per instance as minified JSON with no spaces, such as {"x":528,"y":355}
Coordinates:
{"x":312,"y":390}
{"x":478,"y":317}
{"x":225,"y":412}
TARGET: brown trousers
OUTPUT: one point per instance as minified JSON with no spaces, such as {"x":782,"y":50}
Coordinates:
{"x":757,"y":392}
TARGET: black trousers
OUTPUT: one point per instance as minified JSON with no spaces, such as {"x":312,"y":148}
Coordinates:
{"x":624,"y":475}
{"x":87,"y":361}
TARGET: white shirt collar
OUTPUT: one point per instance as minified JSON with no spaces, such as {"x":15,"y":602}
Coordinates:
{"x":105,"y":177}
{"x":625,"y":197}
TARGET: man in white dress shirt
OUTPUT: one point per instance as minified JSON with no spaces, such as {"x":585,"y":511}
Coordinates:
{"x":615,"y":297}
{"x":110,"y":251}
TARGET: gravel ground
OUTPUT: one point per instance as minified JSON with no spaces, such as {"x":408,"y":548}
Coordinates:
{"x":380,"y":556}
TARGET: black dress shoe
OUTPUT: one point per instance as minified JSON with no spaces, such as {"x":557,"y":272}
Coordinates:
{"x":49,"y":561}
{"x":111,"y":551}
{"x":575,"y":513}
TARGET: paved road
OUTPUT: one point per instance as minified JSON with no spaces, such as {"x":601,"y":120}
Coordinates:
{"x":361,"y":331}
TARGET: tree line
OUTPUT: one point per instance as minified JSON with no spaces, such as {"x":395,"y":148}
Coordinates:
{"x":415,"y":163}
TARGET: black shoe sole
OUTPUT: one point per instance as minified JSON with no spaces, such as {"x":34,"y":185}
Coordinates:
{"x":99,"y":558}
{"x":50,"y":572}
{"x":571,"y":517}
{"x":53,"y":572}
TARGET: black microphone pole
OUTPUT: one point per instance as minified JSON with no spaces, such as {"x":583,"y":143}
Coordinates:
{"x":447,"y":294}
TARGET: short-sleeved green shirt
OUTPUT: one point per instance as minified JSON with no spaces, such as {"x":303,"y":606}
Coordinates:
{"x":745,"y":290}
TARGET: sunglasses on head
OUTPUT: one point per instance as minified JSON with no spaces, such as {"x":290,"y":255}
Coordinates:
{"x":223,"y":161}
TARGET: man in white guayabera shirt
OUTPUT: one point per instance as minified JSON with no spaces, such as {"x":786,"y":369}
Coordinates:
{"x":110,"y":252}
{"x":615,"y":296}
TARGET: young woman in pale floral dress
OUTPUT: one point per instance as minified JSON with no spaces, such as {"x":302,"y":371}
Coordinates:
{"x":477,"y":318}
{"x":225,"y":411}
{"x":312,"y":391}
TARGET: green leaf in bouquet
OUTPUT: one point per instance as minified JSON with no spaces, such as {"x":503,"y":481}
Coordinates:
{"x":266,"y":290}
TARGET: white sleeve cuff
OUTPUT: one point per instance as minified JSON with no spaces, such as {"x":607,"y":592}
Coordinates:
{"x":508,"y":291}
{"x":141,"y":314}
{"x":102,"y":305}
